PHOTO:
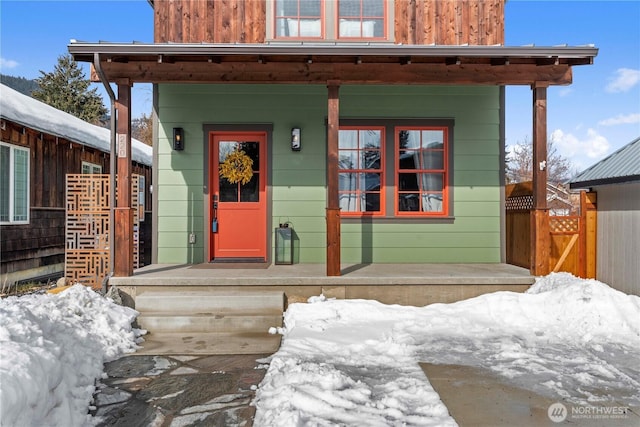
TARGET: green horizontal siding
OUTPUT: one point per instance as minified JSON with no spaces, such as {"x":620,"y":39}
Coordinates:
{"x":298,"y":179}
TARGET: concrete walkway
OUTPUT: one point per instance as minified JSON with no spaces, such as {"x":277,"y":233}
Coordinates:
{"x":176,"y":391}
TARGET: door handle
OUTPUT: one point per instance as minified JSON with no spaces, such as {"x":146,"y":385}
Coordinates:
{"x":214,"y":214}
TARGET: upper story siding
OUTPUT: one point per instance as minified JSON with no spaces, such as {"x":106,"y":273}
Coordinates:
{"x":421,"y":22}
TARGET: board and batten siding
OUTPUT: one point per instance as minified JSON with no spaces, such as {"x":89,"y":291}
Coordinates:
{"x":297,"y":180}
{"x":422,"y":22}
{"x":618,"y":241}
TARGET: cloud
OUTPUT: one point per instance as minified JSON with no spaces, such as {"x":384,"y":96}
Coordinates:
{"x":621,"y":119}
{"x":624,"y":80}
{"x":593,"y":145}
{"x":565,"y":91}
{"x":8,"y":63}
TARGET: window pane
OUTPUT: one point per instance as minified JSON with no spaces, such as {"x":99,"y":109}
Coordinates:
{"x":370,"y":138}
{"x":249,"y":192}
{"x":348,"y":139}
{"x":21,"y":185}
{"x":432,"y":202}
{"x":348,"y":159}
{"x":433,"y":139}
{"x":409,"y":160}
{"x":431,"y":181}
{"x":409,"y":139}
{"x":372,"y":8}
{"x":408,"y":181}
{"x":5,"y":153}
{"x":228,"y":191}
{"x":350,"y":8}
{"x":433,"y":160}
{"x":371,"y":202}
{"x":370,"y":159}
{"x":408,"y":202}
{"x":349,"y":202}
{"x":347,"y":181}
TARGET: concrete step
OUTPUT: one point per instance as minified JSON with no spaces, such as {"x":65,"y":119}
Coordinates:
{"x":247,"y":322}
{"x":167,"y":343}
{"x":210,"y":321}
{"x":220,"y":301}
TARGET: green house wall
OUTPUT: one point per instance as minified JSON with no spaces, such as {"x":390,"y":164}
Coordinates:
{"x":297,"y":180}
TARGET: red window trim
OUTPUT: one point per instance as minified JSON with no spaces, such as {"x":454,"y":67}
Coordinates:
{"x":322,"y":35}
{"x":362,"y":18}
{"x":381,"y":170}
{"x":336,"y":35}
{"x":445,"y":171}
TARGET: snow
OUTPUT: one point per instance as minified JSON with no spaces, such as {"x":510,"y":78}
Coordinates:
{"x":355,"y":362}
{"x":52,"y":350}
{"x":344,"y":362}
{"x":37,"y":115}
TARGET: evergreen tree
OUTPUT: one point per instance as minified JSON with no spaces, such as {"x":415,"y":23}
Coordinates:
{"x":20,"y":84}
{"x":67,"y":89}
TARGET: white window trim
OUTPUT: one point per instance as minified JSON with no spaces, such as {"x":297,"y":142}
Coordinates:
{"x":329,"y":14}
{"x":12,"y":149}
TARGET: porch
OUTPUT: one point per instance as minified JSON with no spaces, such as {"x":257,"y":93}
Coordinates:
{"x":405,"y":284}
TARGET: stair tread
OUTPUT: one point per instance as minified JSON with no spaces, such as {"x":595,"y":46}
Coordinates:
{"x":210,"y":343}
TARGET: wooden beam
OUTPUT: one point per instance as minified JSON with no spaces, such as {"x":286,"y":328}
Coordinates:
{"x":540,"y":238}
{"x":123,"y":227}
{"x":333,"y":202}
{"x":319,"y":72}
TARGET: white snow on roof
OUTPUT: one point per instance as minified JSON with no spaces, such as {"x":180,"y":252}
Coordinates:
{"x":37,"y":115}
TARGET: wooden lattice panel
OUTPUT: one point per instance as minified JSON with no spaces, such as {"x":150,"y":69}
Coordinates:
{"x":87,"y":229}
{"x":519,"y":203}
{"x":564,"y":224}
{"x":135,"y":182}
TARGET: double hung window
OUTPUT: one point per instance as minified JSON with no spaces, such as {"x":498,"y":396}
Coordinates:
{"x":421,"y":160}
{"x":410,"y":163}
{"x":361,"y":170}
{"x":330,"y":19}
{"x":14,"y":184}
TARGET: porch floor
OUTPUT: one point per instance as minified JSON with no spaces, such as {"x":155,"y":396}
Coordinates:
{"x":315,"y":274}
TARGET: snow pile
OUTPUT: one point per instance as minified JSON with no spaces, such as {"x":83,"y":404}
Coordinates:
{"x":352,"y":362}
{"x":52,"y":349}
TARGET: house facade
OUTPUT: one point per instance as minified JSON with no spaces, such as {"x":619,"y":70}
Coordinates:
{"x":374,"y":129}
{"x":39,"y":146}
{"x":616,"y":183}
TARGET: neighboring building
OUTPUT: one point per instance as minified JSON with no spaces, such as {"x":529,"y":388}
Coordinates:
{"x":616,"y":181}
{"x":376,"y":132}
{"x":39,"y":146}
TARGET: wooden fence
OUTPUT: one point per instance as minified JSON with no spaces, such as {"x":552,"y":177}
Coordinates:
{"x":572,"y":239}
{"x":87,"y":246}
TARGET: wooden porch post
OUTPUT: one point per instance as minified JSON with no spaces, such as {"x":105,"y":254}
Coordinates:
{"x":333,"y":203}
{"x":123,"y":236}
{"x":540,"y":238}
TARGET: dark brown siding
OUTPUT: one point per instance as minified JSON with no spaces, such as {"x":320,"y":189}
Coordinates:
{"x":41,"y":242}
{"x":424,"y":22}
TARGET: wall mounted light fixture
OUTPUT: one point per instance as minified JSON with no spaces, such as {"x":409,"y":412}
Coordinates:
{"x":296,"y":140}
{"x":178,"y":139}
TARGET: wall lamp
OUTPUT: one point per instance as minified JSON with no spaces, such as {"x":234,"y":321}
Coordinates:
{"x":178,"y":139}
{"x":296,"y":141}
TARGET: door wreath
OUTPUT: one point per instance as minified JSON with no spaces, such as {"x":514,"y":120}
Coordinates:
{"x":237,"y":167}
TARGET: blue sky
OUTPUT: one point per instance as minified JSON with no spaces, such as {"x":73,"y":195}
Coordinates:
{"x":588,"y":120}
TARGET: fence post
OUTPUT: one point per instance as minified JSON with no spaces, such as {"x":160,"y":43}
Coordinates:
{"x":589,"y":214}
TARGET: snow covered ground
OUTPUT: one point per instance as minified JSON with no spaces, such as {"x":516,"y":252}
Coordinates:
{"x":52,"y":350}
{"x":344,"y":362}
{"x":356,"y":362}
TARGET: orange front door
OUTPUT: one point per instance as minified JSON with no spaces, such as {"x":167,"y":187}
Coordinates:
{"x":238,"y":201}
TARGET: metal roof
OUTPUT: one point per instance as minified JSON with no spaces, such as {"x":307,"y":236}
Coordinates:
{"x":572,"y":54}
{"x":621,"y":166}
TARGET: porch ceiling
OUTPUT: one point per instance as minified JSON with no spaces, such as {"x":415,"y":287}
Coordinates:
{"x":319,"y":63}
